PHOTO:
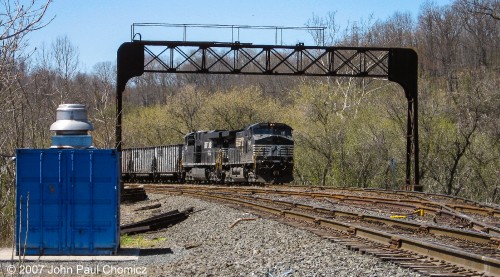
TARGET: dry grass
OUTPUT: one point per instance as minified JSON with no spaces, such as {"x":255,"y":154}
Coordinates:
{"x":139,"y":241}
{"x":7,"y":209}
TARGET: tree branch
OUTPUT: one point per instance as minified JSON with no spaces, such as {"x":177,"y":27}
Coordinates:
{"x":19,"y":19}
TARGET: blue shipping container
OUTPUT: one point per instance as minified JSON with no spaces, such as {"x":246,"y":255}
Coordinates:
{"x":67,"y":201}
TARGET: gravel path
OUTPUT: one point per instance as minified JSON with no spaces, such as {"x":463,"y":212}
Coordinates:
{"x":206,"y":245}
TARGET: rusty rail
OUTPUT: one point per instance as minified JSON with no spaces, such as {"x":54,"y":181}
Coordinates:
{"x":475,"y":262}
{"x":413,"y":204}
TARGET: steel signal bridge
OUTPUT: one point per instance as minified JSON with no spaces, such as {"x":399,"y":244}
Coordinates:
{"x":399,"y":65}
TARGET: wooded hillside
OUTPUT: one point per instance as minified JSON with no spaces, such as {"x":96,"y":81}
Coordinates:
{"x":348,"y":132}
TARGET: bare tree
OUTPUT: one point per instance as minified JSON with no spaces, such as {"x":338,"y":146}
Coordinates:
{"x":396,"y":31}
{"x":490,"y":8}
{"x":188,"y":114}
{"x":480,"y":39}
{"x":17,"y":20}
{"x":103,"y":84}
{"x":66,"y":59}
{"x":439,"y":42}
{"x":330,"y":36}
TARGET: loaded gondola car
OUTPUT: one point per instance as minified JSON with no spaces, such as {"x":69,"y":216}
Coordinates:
{"x":262,"y":153}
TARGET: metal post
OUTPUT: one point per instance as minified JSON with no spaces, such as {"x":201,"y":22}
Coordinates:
{"x":409,"y":146}
{"x":416,"y":149}
{"x":118,"y":130}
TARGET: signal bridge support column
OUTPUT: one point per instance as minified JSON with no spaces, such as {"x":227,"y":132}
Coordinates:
{"x":399,"y":65}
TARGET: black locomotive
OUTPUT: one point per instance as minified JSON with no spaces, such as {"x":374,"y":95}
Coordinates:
{"x":262,"y":153}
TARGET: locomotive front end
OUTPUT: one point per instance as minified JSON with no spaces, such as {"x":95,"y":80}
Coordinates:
{"x":272,"y":150}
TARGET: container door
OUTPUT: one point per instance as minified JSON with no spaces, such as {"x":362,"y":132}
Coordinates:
{"x":40,"y":202}
{"x":94,"y":191}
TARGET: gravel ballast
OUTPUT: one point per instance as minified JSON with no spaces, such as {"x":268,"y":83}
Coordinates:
{"x":205,"y":244}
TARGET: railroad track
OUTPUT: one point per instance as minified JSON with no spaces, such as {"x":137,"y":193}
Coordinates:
{"x":430,"y":250}
{"x":479,"y":218}
{"x":453,"y":202}
{"x":476,"y":219}
{"x":433,"y":201}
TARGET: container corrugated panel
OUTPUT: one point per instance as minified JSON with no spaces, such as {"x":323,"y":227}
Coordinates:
{"x":67,"y":201}
{"x":168,"y":158}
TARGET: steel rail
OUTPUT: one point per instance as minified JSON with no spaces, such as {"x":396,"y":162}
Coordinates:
{"x":429,"y":206}
{"x":431,"y":229}
{"x":466,"y":205}
{"x":474,"y":206}
{"x":472,"y":261}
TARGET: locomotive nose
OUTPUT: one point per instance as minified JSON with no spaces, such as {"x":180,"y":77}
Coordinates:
{"x":275,"y":150}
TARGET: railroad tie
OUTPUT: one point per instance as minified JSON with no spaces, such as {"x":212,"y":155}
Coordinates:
{"x":396,"y":259}
{"x":391,"y":254}
{"x":370,"y":251}
{"x":445,"y":274}
{"x":417,"y":266}
{"x":356,"y":247}
{"x":343,"y":241}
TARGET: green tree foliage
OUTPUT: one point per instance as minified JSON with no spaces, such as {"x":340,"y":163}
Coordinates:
{"x":237,"y":108}
{"x":191,"y":110}
{"x":338,"y":142}
{"x":461,"y":138}
{"x":347,"y":131}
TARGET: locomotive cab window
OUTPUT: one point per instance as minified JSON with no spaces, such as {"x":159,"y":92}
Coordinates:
{"x":190,"y":140}
{"x":273,"y":130}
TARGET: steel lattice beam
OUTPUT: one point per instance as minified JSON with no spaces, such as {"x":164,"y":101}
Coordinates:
{"x":184,"y":57}
{"x":395,"y":64}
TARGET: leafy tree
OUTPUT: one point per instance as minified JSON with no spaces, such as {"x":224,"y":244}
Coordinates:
{"x":237,"y":108}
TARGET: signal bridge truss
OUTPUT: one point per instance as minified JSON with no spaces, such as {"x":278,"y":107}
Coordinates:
{"x":394,"y":64}
{"x":267,"y":60}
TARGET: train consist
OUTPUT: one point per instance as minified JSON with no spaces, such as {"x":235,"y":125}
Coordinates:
{"x":259,"y":153}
